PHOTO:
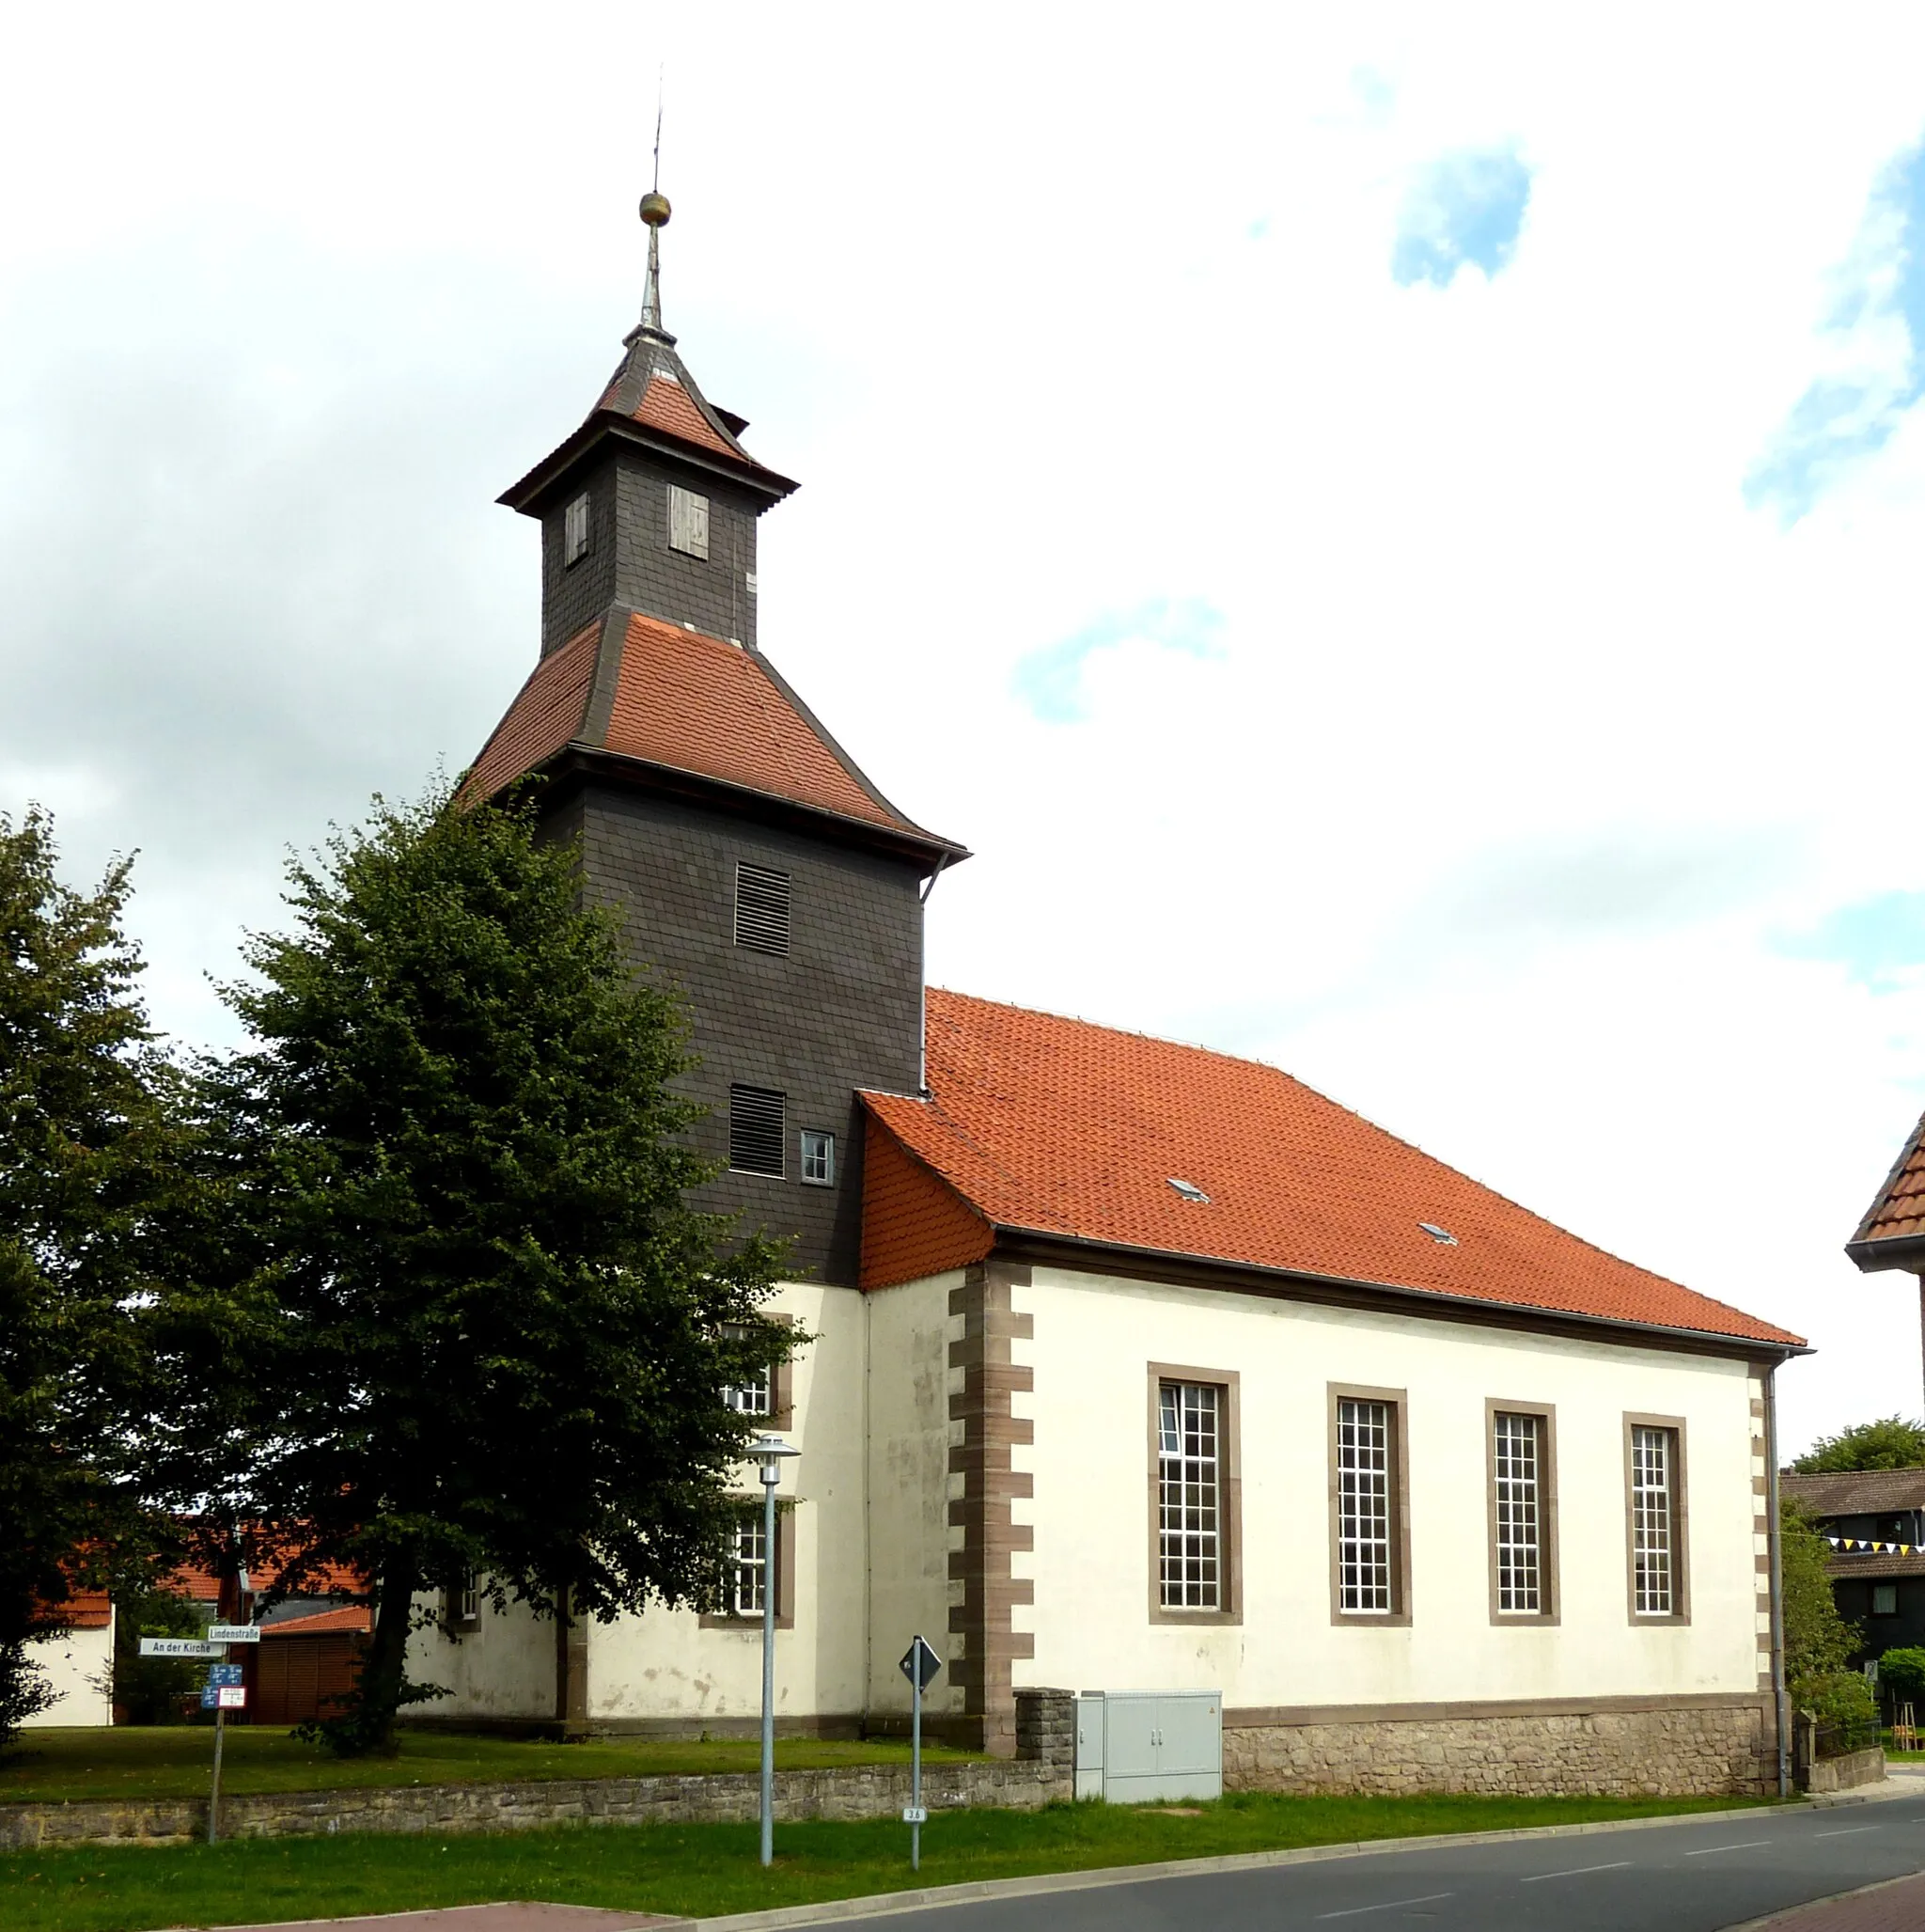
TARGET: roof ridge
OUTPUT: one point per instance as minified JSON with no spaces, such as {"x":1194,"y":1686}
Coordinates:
{"x":1398,"y":1139}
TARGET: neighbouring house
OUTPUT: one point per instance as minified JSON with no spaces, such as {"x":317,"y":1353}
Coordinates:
{"x":79,"y":1662}
{"x":1131,"y":1365}
{"x":1879,"y":1590}
{"x":1891,"y":1235}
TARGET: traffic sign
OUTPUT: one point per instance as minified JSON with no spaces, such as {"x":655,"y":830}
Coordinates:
{"x":178,"y":1646}
{"x":919,"y":1664}
{"x":233,"y":1633}
{"x":224,"y":1673}
{"x":915,"y":1815}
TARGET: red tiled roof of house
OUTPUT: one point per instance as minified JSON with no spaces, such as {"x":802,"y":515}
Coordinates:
{"x":679,"y":699}
{"x":1055,"y":1126}
{"x":1897,"y":1215}
{"x":353,"y":1617}
{"x":86,"y":1609}
{"x":203,"y":1586}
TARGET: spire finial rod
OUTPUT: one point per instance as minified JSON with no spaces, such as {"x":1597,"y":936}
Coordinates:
{"x":655,"y":212}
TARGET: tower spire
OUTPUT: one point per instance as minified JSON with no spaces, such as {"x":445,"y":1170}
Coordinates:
{"x":655,"y":212}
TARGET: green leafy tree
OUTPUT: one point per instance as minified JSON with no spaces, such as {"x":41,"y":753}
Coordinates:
{"x":1901,"y":1676}
{"x":453,"y":1312}
{"x":1819,"y":1643}
{"x":1889,"y":1443}
{"x":90,"y":1151}
{"x":155,"y":1689}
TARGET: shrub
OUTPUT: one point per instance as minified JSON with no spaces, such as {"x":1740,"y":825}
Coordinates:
{"x":1901,"y":1676}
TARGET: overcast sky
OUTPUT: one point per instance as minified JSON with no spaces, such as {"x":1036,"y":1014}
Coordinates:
{"x":1394,"y":536}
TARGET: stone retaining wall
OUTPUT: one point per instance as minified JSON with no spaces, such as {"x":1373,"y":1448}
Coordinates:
{"x":1845,"y":1773}
{"x":844,"y":1791}
{"x":1664,"y":1751}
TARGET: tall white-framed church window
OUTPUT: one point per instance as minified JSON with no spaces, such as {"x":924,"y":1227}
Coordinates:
{"x":1189,"y":1496}
{"x":1364,"y":1546}
{"x":1517,"y":1471}
{"x":575,"y":531}
{"x":1654,"y":1457}
{"x":749,"y":1569}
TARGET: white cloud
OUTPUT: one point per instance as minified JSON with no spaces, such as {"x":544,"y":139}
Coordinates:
{"x":1526,"y":739}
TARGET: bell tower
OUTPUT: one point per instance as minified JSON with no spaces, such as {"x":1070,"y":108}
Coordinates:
{"x":756,"y":868}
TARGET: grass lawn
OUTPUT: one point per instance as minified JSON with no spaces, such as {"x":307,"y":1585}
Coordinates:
{"x":709,"y":1869}
{"x":175,"y":1760}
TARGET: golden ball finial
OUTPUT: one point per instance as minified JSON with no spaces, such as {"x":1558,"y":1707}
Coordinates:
{"x":656,"y":210}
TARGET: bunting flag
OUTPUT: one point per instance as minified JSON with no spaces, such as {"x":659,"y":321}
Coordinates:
{"x":1864,"y":1546}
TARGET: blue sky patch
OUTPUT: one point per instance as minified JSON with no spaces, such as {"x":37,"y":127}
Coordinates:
{"x":1464,"y":208}
{"x":1050,"y":681}
{"x":1878,"y":323}
{"x":1880,"y":941}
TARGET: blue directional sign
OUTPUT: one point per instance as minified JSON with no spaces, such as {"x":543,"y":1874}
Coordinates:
{"x":219,"y":1678}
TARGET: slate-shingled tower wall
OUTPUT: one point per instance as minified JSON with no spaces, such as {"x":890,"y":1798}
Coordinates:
{"x":661,"y":838}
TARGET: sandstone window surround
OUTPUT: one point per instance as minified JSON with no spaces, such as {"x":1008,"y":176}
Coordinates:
{"x":1370,"y":1507}
{"x":1656,"y":1520}
{"x":1195,"y":1496}
{"x":1520,"y":1446}
{"x":745,"y":1570}
{"x":770,"y":1395}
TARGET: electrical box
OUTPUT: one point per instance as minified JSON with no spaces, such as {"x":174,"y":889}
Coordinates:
{"x":1137,"y":1747}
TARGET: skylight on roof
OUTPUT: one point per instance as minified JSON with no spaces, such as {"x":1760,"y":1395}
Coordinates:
{"x":1442,"y":1237}
{"x":1189,"y":1191}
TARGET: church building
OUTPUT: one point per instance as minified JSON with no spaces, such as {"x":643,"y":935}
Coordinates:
{"x":1131,"y":1365}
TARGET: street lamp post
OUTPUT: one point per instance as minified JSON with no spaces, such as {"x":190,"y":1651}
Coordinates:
{"x":769,"y":1453}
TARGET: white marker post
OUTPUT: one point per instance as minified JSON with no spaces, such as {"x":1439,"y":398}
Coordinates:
{"x":226,"y":1692}
{"x":919,"y":1664}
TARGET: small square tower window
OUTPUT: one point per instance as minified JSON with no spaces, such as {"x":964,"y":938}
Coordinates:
{"x":688,"y":521}
{"x":575,"y":531}
{"x":818,"y":1158}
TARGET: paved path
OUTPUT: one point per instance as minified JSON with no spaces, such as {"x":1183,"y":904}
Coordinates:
{"x":484,"y":1918}
{"x":1698,"y":1874}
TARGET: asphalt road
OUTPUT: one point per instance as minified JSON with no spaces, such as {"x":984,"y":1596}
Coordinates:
{"x":1700,"y":1874}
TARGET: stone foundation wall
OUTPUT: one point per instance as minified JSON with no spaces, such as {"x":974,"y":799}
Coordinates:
{"x":1845,"y":1773}
{"x":846,"y":1791}
{"x":1662,"y":1751}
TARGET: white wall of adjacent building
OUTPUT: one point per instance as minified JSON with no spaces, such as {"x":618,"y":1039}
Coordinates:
{"x":80,"y":1667}
{"x":1094,"y":1340}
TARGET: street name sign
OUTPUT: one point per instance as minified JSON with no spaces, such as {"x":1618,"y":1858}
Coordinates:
{"x":178,"y":1646}
{"x":233,"y":1633}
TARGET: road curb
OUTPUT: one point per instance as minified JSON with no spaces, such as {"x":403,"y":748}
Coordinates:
{"x":1792,"y":1913}
{"x":882,"y":1904}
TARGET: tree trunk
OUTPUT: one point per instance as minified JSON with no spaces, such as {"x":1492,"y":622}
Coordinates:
{"x":378,"y":1696}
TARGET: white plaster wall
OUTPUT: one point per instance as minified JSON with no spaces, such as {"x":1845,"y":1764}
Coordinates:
{"x":910,"y":1329}
{"x":1093,"y":1342}
{"x":503,"y":1667}
{"x":79,"y":1667}
{"x":663,"y":1664}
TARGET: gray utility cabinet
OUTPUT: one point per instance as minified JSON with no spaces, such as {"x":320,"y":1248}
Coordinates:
{"x":1139,"y":1746}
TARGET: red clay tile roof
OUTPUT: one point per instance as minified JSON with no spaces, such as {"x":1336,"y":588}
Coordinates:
{"x":546,"y":714}
{"x":1055,"y":1126}
{"x":203,"y":1586}
{"x":686,"y":701}
{"x":1899,"y":1212}
{"x":86,"y":1609}
{"x":666,"y":406}
{"x":353,"y":1617}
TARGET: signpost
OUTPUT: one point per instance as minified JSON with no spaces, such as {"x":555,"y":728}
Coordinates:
{"x":919,"y":1664}
{"x":180,"y":1647}
{"x":223,"y":1693}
